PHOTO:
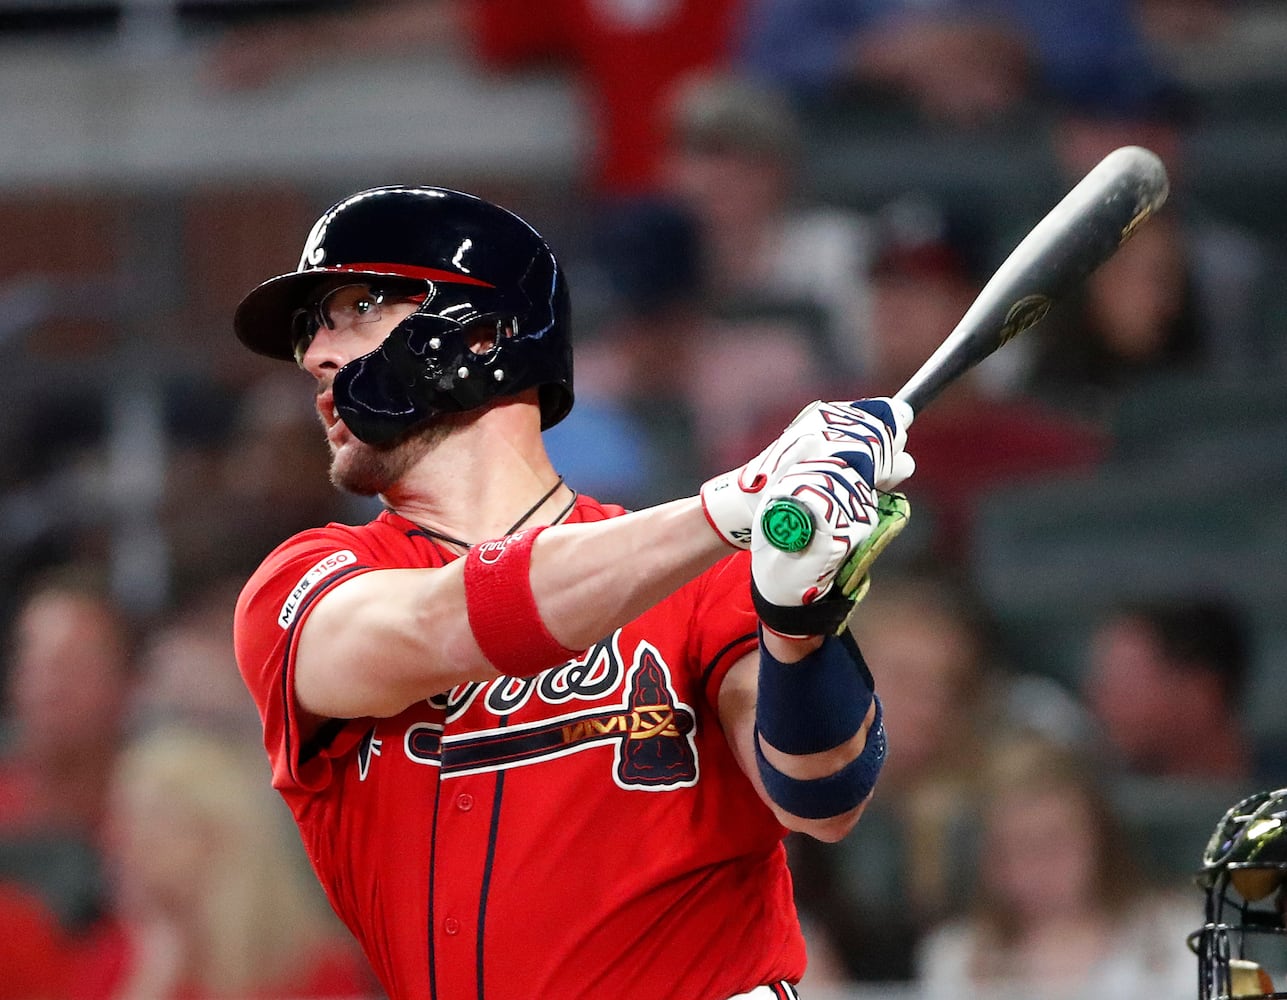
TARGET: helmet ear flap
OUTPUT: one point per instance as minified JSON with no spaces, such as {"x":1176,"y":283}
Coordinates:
{"x":424,"y":368}
{"x":372,"y":398}
{"x":425,"y":350}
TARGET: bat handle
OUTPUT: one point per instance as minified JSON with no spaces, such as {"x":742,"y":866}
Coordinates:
{"x":918,"y":391}
{"x":912,"y":398}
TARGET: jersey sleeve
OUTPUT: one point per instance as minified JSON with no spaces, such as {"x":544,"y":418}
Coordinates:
{"x":730,"y":627}
{"x":270,"y":612}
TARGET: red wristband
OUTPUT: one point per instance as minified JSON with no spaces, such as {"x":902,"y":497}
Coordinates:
{"x":502,"y":609}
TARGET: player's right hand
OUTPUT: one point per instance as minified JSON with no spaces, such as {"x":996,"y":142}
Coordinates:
{"x":869,"y":434}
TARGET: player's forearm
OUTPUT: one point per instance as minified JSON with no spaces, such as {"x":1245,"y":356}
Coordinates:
{"x":739,"y":700}
{"x":589,"y":579}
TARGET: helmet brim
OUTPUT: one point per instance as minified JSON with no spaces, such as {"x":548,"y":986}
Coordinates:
{"x":262,"y":319}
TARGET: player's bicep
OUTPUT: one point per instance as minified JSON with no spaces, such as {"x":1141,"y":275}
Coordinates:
{"x":380,"y":641}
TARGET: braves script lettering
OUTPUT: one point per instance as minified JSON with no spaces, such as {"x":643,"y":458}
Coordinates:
{"x":650,"y":732}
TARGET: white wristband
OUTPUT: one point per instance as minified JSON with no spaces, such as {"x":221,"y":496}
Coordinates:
{"x":729,"y":509}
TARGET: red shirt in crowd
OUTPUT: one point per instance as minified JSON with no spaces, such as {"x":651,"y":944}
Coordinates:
{"x":628,"y":55}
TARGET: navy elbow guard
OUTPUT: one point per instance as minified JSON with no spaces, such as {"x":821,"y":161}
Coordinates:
{"x":813,"y":706}
{"x":834,"y":794}
{"x":817,"y":703}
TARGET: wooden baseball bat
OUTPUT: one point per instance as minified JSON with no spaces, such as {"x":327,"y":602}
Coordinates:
{"x":1081,"y":232}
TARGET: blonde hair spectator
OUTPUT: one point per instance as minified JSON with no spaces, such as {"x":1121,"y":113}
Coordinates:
{"x":1061,"y":909}
{"x":212,"y":893}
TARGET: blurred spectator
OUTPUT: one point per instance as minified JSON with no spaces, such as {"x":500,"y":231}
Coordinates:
{"x":1177,"y":22}
{"x":634,"y":406}
{"x":929,"y":262}
{"x":961,"y":62}
{"x":664,"y":363}
{"x":625,"y":55}
{"x":1134,"y":318}
{"x":232,"y":498}
{"x":1165,"y":680}
{"x":187,"y":670}
{"x":1059,"y":909}
{"x":734,"y":153}
{"x":270,"y":467}
{"x":68,"y":681}
{"x":211,"y":893}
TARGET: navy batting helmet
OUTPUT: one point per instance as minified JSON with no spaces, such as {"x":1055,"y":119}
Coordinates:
{"x":477,"y":264}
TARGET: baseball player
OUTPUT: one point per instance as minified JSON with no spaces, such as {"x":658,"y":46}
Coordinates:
{"x":537,"y":745}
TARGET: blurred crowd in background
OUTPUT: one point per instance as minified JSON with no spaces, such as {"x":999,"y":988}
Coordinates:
{"x":1078,"y":640}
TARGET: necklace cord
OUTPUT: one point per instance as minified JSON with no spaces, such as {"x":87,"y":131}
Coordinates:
{"x":439,"y":536}
{"x":535,"y":507}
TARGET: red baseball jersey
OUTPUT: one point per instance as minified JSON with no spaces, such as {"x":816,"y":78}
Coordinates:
{"x":585,"y":832}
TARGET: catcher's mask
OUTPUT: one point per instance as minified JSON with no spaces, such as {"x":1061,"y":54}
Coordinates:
{"x":483,"y":273}
{"x":1242,"y":946}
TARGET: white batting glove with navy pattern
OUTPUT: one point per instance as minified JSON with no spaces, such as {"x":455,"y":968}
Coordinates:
{"x":870,"y":432}
{"x":817,"y":514}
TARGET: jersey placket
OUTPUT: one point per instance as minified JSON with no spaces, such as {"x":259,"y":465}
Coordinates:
{"x":464,"y":832}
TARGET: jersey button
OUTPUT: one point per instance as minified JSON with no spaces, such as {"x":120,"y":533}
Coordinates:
{"x":451,"y":925}
{"x":464,"y":802}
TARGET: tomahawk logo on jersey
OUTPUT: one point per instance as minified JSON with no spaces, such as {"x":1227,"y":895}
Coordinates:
{"x":649,"y":733}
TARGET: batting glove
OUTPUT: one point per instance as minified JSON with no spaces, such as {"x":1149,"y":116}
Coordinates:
{"x":818,"y":516}
{"x":870,"y":432}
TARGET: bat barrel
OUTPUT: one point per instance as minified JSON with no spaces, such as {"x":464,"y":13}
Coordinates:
{"x":1081,"y":232}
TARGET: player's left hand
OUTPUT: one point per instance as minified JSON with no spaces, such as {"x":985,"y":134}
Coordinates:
{"x":870,"y":433}
{"x":818,"y":513}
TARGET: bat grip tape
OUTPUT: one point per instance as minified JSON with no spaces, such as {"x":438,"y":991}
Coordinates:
{"x":502,"y":610}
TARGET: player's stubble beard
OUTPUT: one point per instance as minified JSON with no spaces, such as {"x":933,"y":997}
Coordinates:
{"x":369,"y":470}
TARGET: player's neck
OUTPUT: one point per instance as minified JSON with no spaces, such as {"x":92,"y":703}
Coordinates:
{"x":483,"y":479}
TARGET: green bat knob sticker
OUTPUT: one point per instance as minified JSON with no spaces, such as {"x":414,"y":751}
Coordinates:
{"x":787,"y":524}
